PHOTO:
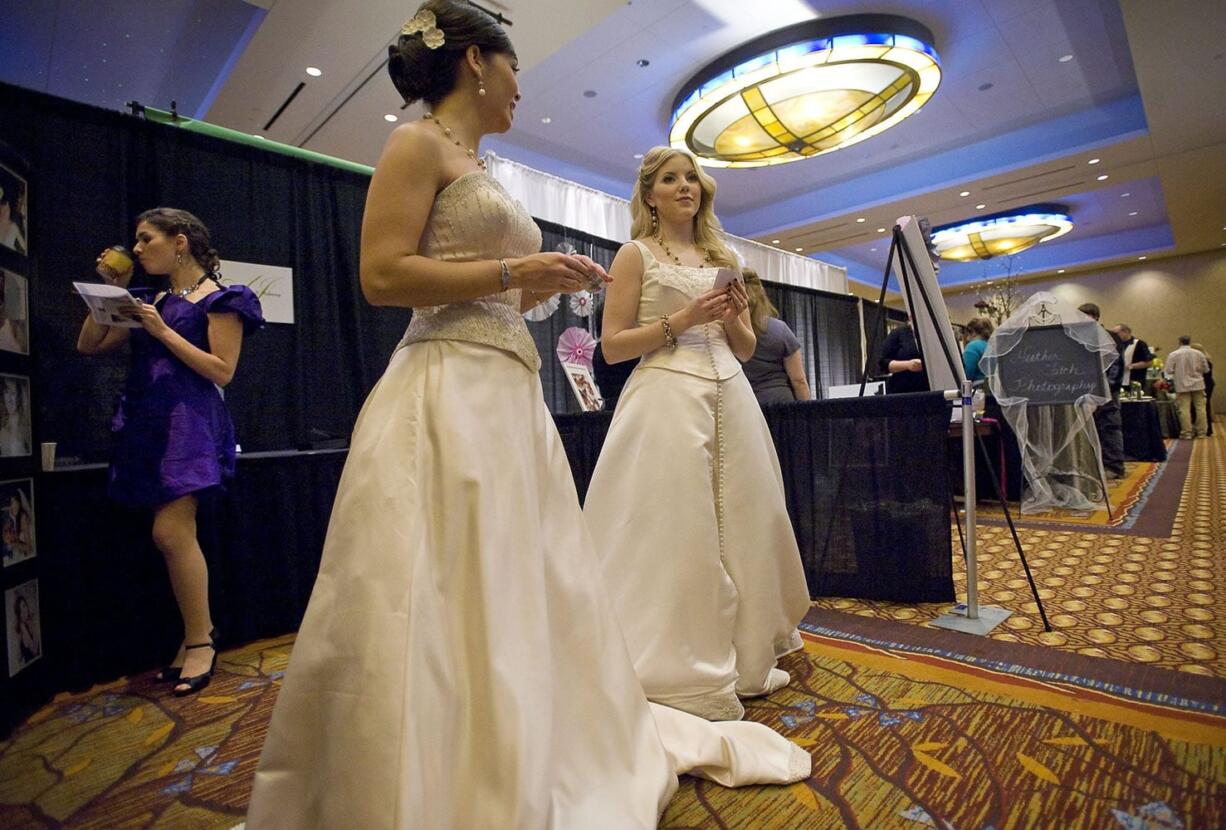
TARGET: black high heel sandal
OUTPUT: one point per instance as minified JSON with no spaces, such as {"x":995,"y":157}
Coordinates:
{"x":171,"y":674}
{"x":199,"y":681}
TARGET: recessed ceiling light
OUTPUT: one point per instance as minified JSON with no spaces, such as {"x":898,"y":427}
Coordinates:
{"x":1125,"y":195}
{"x":546,"y":119}
{"x":638,"y":155}
{"x":391,"y":119}
{"x":1065,"y":58}
{"x":1102,"y":178}
{"x":314,"y":71}
{"x":1140,"y":257}
{"x":881,"y":230}
{"x":874,"y":250}
{"x":980,"y":207}
{"x":774,"y":241}
{"x":1132,"y":213}
{"x":257,"y":135}
{"x":861,"y":219}
{"x":798,"y":250}
{"x":1093,"y":161}
{"x":1060,"y":271}
{"x":643,"y":62}
{"x":965,"y":193}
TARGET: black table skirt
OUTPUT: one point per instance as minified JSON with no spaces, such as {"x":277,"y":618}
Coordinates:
{"x":867,"y":488}
{"x":866,"y":484}
{"x":1142,"y":431}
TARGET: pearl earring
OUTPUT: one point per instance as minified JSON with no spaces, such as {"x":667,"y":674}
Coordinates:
{"x":655,"y":219}
{"x":481,"y":87}
{"x":179,"y":258}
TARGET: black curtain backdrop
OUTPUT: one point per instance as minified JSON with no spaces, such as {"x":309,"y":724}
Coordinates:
{"x":828,"y":327}
{"x":99,"y":169}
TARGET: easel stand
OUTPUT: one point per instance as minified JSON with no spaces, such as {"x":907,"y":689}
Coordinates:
{"x":974,"y":619}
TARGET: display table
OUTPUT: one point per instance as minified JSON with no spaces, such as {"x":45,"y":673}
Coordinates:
{"x":865,"y":480}
{"x":867,"y":488}
{"x":1143,"y":429}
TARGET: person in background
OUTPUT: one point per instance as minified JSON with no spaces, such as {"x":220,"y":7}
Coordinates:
{"x":1107,"y":419}
{"x":172,"y":435}
{"x":1135,"y":354}
{"x":978,"y":330}
{"x":1187,"y":366}
{"x":901,"y":358}
{"x":1208,"y":388}
{"x":777,"y":369}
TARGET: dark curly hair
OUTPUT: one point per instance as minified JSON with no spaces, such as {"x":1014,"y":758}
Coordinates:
{"x":424,"y":74}
{"x":173,"y":221}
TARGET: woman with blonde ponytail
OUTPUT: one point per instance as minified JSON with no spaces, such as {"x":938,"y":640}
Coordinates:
{"x":686,"y":505}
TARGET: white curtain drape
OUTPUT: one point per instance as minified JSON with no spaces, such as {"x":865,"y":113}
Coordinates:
{"x":592,"y":211}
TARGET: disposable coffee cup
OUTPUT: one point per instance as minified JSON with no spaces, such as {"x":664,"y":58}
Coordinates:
{"x":116,"y":262}
{"x":48,"y":456}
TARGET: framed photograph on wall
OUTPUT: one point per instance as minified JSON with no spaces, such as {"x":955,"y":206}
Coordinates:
{"x":15,"y":437}
{"x":14,"y":312}
{"x":14,"y":195}
{"x":584,"y":386}
{"x":17,"y":521}
{"x":22,"y":627}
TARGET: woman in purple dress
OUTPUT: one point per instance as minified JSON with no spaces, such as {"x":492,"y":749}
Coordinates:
{"x":173,"y":436}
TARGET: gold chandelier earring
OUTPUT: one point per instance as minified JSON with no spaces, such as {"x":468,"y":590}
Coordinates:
{"x":655,"y":220}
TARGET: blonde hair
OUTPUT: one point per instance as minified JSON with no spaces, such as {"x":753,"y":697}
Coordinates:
{"x":761,"y":309}
{"x":708,"y":233}
{"x":1200,"y":348}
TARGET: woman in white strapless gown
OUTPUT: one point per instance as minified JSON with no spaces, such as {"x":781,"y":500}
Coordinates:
{"x":686,"y":504}
{"x":459,"y":665}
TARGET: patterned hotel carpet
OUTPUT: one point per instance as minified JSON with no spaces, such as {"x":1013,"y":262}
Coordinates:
{"x":901,"y":738}
{"x":1143,"y":503}
{"x":907,"y":727}
{"x":1158,"y":600}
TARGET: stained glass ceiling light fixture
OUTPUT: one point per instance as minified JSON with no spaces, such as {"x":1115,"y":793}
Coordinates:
{"x":807,"y":89}
{"x":1001,"y":234}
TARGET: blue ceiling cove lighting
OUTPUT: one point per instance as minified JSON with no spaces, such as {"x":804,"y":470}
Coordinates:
{"x":807,"y":89}
{"x":1001,"y":234}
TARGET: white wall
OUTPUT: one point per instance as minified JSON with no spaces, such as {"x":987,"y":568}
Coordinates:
{"x":1160,"y":300}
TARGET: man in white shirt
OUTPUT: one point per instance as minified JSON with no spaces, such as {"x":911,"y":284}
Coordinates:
{"x":1186,"y":367}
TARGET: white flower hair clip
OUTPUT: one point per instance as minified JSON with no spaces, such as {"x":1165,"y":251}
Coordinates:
{"x":426,"y":23}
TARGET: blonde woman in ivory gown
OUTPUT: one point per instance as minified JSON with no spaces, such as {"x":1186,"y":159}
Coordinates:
{"x":459,"y":665}
{"x":686,"y":504}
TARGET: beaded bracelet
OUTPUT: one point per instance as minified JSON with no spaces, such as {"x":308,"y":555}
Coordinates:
{"x":669,"y":340}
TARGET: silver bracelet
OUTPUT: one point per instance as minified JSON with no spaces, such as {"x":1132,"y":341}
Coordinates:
{"x":505,"y":274}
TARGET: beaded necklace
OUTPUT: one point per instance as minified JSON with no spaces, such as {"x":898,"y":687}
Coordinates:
{"x":429,"y":116}
{"x":668,"y":252}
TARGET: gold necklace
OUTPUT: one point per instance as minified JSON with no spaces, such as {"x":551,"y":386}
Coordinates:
{"x":668,"y":253}
{"x":429,"y":116}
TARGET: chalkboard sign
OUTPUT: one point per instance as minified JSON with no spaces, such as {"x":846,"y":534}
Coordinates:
{"x":1049,"y":367}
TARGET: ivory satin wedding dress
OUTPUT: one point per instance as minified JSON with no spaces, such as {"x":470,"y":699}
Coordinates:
{"x":459,"y":665}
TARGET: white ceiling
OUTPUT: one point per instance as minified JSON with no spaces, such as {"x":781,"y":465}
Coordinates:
{"x":1011,"y":122}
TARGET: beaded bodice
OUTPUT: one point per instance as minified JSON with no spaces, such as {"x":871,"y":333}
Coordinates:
{"x":668,"y":288}
{"x":474,"y":218}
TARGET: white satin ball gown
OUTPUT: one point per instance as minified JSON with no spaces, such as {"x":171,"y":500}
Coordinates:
{"x":459,"y":665}
{"x":687,"y":510}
